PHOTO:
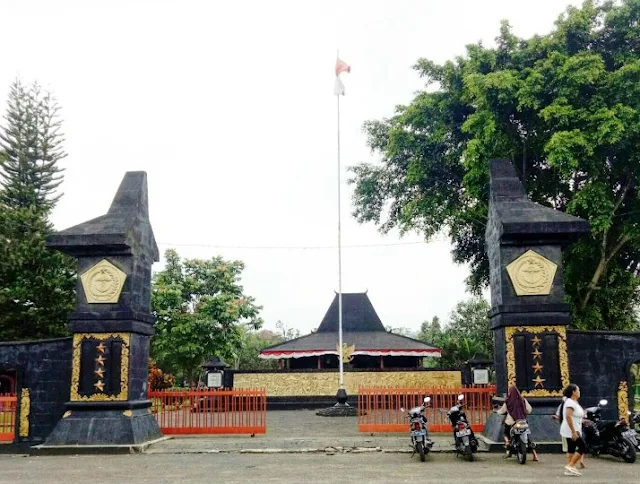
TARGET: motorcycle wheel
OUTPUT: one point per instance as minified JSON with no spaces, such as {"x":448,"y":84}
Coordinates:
{"x":629,"y":451}
{"x":522,"y":452}
{"x":420,"y":449}
{"x":468,"y":453}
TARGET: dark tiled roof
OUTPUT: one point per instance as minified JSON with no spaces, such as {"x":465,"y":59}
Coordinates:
{"x":358,"y":314}
{"x":363,"y":340}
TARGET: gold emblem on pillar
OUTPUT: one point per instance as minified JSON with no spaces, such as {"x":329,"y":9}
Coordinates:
{"x":531,"y":274}
{"x":103,"y":283}
{"x":25,"y":410}
{"x":623,"y":400}
{"x":561,"y":332}
{"x":124,"y":368}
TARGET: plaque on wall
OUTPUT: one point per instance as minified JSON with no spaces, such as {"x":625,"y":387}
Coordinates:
{"x":214,"y":380}
{"x":481,"y":377}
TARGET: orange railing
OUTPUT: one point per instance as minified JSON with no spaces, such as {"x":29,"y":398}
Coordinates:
{"x":206,"y":411}
{"x":379,"y":408}
{"x":8,"y":405}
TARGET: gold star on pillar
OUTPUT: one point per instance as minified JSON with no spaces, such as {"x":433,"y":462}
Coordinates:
{"x":538,"y":381}
{"x":536,"y":354}
{"x":99,"y":372}
{"x":99,"y":386}
{"x":536,"y":340}
{"x":101,"y":347}
{"x":537,"y":368}
{"x":100,"y":360}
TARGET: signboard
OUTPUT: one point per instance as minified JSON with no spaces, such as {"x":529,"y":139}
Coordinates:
{"x":214,"y":380}
{"x":481,"y":377}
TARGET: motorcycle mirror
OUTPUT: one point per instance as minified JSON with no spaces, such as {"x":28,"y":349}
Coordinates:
{"x":428,"y":399}
{"x":603,"y":402}
{"x":461,"y":397}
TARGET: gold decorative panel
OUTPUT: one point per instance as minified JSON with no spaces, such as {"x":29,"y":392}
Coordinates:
{"x":561,"y":332}
{"x":623,"y":400}
{"x":326,"y":383}
{"x":124,"y":368}
{"x":103,"y":283}
{"x":25,"y":410}
{"x":532,"y":274}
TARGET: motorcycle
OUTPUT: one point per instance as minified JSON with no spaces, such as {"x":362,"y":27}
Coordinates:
{"x":420,"y":441}
{"x":608,"y":437}
{"x":520,"y":441}
{"x":464,"y":438}
{"x":634,"y":419}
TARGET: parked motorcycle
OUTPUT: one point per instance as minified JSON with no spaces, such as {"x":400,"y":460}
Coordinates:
{"x":520,"y":440}
{"x":634,"y":419}
{"x":608,"y":437}
{"x":420,"y":441}
{"x":464,"y":438}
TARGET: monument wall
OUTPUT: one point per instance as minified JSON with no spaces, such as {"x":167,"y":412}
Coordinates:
{"x":43,"y":374}
{"x":600,"y":363}
{"x":316,"y":383}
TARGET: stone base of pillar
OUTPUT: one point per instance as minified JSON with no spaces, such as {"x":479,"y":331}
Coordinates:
{"x":89,"y":427}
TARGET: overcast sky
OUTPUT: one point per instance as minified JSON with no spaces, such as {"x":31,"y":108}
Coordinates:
{"x":229,"y":108}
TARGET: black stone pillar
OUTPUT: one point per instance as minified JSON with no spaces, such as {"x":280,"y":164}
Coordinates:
{"x":528,"y":314}
{"x":112,"y":324}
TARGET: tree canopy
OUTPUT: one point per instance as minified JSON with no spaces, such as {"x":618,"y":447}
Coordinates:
{"x":37,"y":285}
{"x":465,"y":334}
{"x":565,"y":108}
{"x":201,"y":309}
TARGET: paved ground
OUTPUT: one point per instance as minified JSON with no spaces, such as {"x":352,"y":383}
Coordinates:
{"x":295,"y":468}
{"x":298,"y":430}
{"x":303,"y":430}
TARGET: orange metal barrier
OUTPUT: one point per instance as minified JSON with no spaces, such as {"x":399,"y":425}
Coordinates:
{"x":8,"y":406}
{"x":207,"y":411}
{"x":379,"y":408}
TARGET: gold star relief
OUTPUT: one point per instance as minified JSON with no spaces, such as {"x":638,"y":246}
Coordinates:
{"x":100,"y":360}
{"x":99,"y":386}
{"x":536,"y":340}
{"x":101,"y":347}
{"x":536,"y":354}
{"x":538,"y":367}
{"x":538,"y":381}
{"x":99,"y":372}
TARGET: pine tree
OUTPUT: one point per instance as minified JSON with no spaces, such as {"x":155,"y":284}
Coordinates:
{"x":32,"y":143}
{"x":36,"y":284}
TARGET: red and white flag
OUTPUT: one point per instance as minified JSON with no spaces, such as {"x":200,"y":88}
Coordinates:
{"x":341,"y":66}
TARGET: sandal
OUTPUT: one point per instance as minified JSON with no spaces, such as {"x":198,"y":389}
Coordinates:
{"x":535,"y":459}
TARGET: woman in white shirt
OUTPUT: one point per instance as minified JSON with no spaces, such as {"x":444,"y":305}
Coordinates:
{"x":571,"y":428}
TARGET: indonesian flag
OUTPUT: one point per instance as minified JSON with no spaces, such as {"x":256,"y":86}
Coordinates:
{"x":341,"y":66}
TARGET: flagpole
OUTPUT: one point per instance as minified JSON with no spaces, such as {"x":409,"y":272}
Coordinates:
{"x":340,"y":354}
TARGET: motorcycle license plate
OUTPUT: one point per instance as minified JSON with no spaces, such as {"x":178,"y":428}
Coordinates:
{"x":463,"y":433}
{"x":418,"y":433}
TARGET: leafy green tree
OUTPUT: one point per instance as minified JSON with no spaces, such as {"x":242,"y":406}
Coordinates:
{"x":466,"y":334}
{"x":252,"y":343}
{"x":32,"y":146}
{"x":565,"y":108}
{"x":37,"y":285}
{"x":287,"y":333}
{"x":431,"y":331}
{"x":201,"y":309}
